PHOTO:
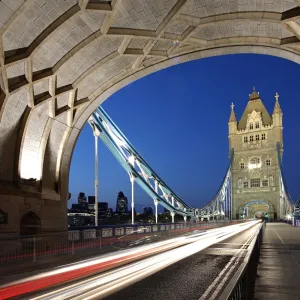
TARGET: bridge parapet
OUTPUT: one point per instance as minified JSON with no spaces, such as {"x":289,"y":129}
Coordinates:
{"x":104,"y":238}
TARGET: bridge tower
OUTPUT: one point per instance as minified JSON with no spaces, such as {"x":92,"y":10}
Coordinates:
{"x":256,"y":177}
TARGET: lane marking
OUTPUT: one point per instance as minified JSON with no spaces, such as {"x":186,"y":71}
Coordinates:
{"x":231,"y":264}
{"x":279,"y":236}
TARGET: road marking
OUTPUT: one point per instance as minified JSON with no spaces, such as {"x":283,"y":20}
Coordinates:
{"x":278,"y":236}
{"x":231,"y":264}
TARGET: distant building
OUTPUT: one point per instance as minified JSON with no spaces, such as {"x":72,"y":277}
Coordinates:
{"x":103,"y":206}
{"x":82,"y":198}
{"x":102,"y":214}
{"x":102,"y":210}
{"x":166,"y":211}
{"x":91,"y":199}
{"x":109,"y":213}
{"x":80,"y":207}
{"x":148,"y":211}
{"x":91,"y":202}
{"x":80,"y":219}
{"x":122,"y":204}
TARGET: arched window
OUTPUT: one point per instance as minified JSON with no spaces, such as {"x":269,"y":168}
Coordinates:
{"x":254,"y":163}
{"x":251,"y":138}
{"x":245,"y":139}
{"x":271,"y":180}
{"x":30,"y":224}
{"x":257,"y":125}
{"x":251,"y":126}
{"x":257,"y":137}
{"x":240,"y":183}
{"x":268,"y":162}
{"x":263,"y":136}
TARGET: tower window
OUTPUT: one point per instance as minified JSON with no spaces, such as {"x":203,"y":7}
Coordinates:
{"x":255,"y":182}
{"x":263,"y":136}
{"x":265,"y":183}
{"x":245,"y":184}
{"x":254,"y":161}
{"x":245,"y":139}
{"x":256,"y":125}
{"x":251,"y":138}
{"x":257,"y":137}
{"x":268,"y":162}
{"x":242,"y":165}
{"x":251,"y":125}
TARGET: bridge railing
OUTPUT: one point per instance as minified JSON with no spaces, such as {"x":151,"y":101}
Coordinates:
{"x":242,"y":285}
{"x":94,"y":240}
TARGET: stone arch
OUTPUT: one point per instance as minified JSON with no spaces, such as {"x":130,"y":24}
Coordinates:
{"x":262,"y":204}
{"x":52,"y":79}
{"x":30,"y":224}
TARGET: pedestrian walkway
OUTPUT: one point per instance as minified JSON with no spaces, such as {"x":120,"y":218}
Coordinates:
{"x":279,"y":268}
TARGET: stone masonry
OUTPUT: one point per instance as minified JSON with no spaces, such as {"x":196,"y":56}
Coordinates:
{"x":255,"y":170}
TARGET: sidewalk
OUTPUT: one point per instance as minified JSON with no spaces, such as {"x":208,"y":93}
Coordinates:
{"x":279,"y":268}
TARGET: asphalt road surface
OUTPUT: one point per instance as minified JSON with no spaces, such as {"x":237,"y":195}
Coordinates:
{"x":185,"y":267}
{"x":189,"y":278}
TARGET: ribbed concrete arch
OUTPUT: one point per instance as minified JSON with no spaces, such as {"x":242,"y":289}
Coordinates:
{"x":61,"y":59}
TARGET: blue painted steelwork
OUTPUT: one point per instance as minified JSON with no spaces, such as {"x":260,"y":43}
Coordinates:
{"x":219,"y":207}
{"x":297,"y":208}
{"x":136,"y":166}
{"x":287,"y":204}
{"x":221,"y":204}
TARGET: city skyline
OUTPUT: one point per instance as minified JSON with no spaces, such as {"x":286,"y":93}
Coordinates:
{"x":180,"y":104}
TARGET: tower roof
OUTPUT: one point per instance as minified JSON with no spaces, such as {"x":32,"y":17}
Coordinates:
{"x":277,"y":108}
{"x":254,"y":95}
{"x":232,"y":117}
{"x":256,"y":104}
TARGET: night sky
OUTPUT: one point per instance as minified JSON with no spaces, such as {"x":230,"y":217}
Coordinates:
{"x":177,"y":119}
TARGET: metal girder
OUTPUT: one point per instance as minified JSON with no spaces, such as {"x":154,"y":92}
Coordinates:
{"x":141,"y":172}
{"x":136,"y":166}
{"x":221,"y":205}
{"x":287,"y":204}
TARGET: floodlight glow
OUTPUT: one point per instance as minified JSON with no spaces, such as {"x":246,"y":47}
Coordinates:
{"x":289,"y":217}
{"x":254,"y":166}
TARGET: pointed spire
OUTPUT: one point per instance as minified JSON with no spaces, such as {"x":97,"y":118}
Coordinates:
{"x":232,"y":114}
{"x":254,"y":95}
{"x":277,"y":108}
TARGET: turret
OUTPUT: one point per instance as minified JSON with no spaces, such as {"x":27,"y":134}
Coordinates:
{"x":232,"y":127}
{"x":232,"y":123}
{"x":277,"y":121}
{"x":277,"y":113}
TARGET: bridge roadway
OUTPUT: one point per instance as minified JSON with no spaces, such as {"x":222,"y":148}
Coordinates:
{"x":196,"y":277}
{"x":191,"y":266}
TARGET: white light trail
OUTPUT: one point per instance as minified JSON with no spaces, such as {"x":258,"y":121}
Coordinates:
{"x":112,"y":281}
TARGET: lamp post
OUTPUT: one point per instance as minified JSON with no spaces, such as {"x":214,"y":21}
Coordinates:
{"x":132,"y":197}
{"x":156,"y":214}
{"x":96,"y":176}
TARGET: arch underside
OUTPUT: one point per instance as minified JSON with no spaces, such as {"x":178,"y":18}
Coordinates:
{"x":61,"y":59}
{"x":257,"y":208}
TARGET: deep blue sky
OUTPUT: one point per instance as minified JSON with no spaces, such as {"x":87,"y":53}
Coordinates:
{"x":177,"y":119}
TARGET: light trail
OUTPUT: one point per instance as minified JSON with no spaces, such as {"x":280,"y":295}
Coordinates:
{"x":162,"y":255}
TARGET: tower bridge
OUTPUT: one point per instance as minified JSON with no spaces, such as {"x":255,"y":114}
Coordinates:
{"x":253,"y":186}
{"x":59,"y":60}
